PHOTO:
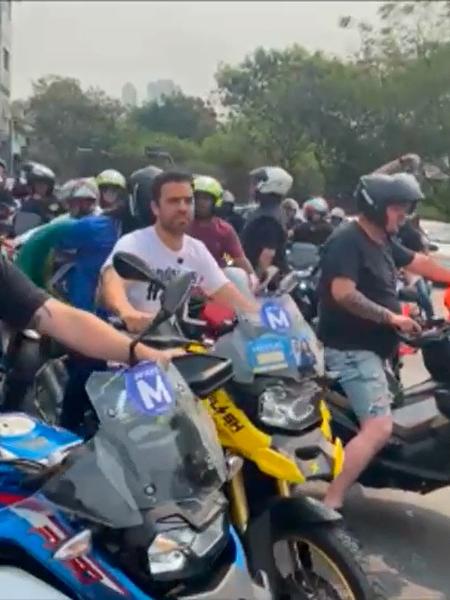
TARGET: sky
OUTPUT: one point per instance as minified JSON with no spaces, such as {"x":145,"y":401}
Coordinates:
{"x":111,"y":42}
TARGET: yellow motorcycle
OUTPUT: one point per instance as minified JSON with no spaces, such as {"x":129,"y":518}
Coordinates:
{"x":272,"y":444}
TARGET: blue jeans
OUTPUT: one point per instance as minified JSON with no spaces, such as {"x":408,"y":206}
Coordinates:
{"x":363,"y":378}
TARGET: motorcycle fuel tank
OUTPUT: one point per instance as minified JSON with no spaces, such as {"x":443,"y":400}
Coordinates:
{"x":23,"y":437}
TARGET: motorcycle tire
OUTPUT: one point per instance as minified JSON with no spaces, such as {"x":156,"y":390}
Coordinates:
{"x":340,"y":552}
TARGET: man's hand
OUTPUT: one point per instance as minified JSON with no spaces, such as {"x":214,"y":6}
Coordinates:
{"x":164,"y":357}
{"x":135,"y":320}
{"x":404,"y":324}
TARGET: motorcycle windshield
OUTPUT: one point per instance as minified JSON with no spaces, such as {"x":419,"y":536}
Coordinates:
{"x":274,"y":341}
{"x":155,"y":446}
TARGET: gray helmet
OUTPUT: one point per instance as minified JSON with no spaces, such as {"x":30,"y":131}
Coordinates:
{"x":377,"y":191}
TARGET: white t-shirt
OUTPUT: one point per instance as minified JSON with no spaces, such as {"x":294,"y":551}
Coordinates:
{"x":194,"y":257}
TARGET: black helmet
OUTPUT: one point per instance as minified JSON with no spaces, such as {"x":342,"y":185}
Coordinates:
{"x":141,"y":183}
{"x":34,"y":172}
{"x":377,"y":191}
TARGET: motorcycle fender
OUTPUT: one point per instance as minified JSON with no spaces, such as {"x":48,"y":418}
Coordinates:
{"x":281,"y":516}
{"x":16,"y":584}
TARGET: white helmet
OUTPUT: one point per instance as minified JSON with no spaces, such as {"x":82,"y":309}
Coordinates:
{"x":85,"y":188}
{"x":228,"y":197}
{"x":337,"y":213}
{"x":112,"y":178}
{"x":272,"y":180}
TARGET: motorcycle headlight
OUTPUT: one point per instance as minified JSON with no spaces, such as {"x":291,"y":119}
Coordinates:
{"x":282,"y":407}
{"x":172,"y":550}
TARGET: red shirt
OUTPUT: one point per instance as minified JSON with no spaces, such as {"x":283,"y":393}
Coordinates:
{"x":219,"y":237}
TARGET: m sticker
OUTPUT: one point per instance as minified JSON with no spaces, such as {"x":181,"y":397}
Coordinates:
{"x":149,"y":390}
{"x":275,"y":317}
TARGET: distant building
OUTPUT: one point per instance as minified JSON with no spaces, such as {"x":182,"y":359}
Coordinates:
{"x":129,"y":95}
{"x":5,"y":79}
{"x":162,"y":87}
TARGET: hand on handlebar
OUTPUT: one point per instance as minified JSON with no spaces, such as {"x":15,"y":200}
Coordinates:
{"x":164,"y":357}
{"x":405,"y":324}
{"x":136,"y":320}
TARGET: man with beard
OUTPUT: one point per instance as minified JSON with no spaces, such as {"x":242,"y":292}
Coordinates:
{"x":167,"y":249}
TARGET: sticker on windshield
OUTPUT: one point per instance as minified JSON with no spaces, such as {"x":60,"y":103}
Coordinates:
{"x":275,"y":317}
{"x":270,"y":353}
{"x":148,"y":389}
{"x":303,"y":353}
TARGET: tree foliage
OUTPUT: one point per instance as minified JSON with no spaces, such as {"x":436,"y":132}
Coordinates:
{"x":183,"y":116}
{"x":324,"y":119}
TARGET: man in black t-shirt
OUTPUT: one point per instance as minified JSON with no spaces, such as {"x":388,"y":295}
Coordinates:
{"x":22,"y":305}
{"x":359,"y":311}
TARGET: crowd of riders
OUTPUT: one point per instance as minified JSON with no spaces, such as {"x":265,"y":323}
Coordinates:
{"x":176,"y":222}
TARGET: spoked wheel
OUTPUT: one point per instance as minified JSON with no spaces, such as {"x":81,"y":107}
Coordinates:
{"x":321,"y":562}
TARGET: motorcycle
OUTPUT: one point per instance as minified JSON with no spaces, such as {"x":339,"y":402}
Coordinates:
{"x":304,"y":260}
{"x":281,"y":430}
{"x":135,"y":512}
{"x":416,"y":458}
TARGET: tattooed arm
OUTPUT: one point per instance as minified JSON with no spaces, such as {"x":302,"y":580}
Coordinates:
{"x":347,"y":296}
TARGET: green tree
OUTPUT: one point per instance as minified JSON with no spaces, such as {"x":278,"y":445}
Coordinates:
{"x":182,"y":116}
{"x":64,"y":118}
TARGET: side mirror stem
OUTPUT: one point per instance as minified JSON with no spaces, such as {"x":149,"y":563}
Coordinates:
{"x":162,"y":316}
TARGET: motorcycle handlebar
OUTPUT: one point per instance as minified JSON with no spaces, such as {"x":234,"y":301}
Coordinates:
{"x":434,"y":331}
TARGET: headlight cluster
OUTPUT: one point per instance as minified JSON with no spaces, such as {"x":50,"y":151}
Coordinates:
{"x":172,"y":551}
{"x":288,"y":407}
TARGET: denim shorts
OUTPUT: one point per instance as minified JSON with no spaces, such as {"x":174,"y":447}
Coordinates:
{"x":363,"y":378}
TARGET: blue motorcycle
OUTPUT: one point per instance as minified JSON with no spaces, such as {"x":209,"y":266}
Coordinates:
{"x":136,"y":512}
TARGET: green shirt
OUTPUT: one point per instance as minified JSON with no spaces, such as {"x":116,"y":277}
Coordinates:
{"x":36,"y":254}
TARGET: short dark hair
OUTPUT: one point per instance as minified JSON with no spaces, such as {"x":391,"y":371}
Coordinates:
{"x":168,"y":177}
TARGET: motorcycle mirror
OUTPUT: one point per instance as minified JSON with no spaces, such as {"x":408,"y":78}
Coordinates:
{"x":176,"y":293}
{"x":132,"y":267}
{"x":271,"y":273}
{"x":174,"y":296}
{"x":288,"y":283}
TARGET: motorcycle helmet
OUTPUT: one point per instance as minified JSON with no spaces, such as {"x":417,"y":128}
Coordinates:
{"x":289,"y":204}
{"x":85,"y":188}
{"x":377,"y":191}
{"x":271,"y":180}
{"x":337,"y":216}
{"x":208,"y":185}
{"x":228,"y":197}
{"x":112,"y":179}
{"x":33,"y":172}
{"x":141,"y":183}
{"x":64,"y":192}
{"x":337,"y":213}
{"x":315,"y":206}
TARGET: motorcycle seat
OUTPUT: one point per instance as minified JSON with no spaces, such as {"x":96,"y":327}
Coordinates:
{"x":413,"y":421}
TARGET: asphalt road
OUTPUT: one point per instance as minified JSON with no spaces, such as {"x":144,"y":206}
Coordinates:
{"x":407,"y":536}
